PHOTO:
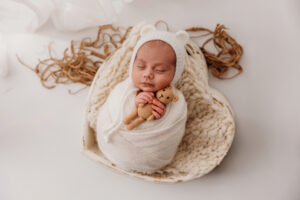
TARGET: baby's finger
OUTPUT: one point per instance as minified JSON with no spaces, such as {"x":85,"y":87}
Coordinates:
{"x":142,"y":100}
{"x":151,"y":93}
{"x":149,"y":96}
{"x":156,"y":115}
{"x":158,"y":103}
{"x":158,"y":109}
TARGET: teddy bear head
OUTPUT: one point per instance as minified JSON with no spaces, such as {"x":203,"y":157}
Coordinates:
{"x":166,"y":95}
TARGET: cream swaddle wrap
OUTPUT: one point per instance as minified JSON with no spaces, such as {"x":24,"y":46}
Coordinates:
{"x":149,"y":146}
{"x":152,"y":145}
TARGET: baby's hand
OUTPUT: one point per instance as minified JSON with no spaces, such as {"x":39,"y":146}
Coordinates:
{"x":158,"y":109}
{"x":143,"y":98}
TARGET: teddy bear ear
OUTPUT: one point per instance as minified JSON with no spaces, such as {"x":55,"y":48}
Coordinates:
{"x":148,"y":28}
{"x":183,"y":36}
{"x":175,"y":98}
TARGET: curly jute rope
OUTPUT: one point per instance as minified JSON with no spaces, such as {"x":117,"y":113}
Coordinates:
{"x":81,"y":61}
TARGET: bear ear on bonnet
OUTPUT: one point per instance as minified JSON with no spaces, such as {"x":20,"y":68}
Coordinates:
{"x":147,"y":29}
{"x":183,"y":36}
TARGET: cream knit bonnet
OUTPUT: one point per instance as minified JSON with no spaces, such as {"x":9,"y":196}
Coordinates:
{"x":175,"y":40}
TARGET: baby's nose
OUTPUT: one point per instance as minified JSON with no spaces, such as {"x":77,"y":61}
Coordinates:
{"x":148,"y":74}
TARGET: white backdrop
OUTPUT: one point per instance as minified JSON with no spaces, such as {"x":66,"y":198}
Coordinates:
{"x":40,"y":129}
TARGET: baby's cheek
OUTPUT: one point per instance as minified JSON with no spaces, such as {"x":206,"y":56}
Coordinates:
{"x":135,"y":77}
{"x":163,"y":82}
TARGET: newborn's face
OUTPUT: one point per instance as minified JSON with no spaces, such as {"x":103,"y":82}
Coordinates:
{"x":154,"y":66}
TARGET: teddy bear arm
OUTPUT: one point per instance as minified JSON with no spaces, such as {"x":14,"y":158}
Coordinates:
{"x":135,"y":123}
{"x":131,"y":116}
{"x":150,"y":118}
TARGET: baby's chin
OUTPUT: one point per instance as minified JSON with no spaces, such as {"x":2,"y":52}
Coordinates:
{"x":148,"y":89}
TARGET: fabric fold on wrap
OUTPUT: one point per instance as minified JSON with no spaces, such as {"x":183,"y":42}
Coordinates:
{"x":149,"y":146}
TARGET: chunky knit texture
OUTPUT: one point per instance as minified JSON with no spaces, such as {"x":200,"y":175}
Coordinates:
{"x":210,"y":125}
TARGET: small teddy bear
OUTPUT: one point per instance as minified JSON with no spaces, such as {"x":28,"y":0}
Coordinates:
{"x":144,"y":111}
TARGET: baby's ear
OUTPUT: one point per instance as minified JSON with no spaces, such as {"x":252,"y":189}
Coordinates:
{"x":147,"y":29}
{"x":183,"y":36}
{"x":175,"y":98}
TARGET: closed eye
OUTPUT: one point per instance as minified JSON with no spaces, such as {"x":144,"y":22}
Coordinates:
{"x":140,"y":66}
{"x":160,"y":70}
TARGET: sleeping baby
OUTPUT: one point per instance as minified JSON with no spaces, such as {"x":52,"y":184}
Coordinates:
{"x":157,"y":63}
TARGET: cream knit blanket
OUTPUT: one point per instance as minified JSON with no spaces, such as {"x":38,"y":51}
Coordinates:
{"x":148,"y":147}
